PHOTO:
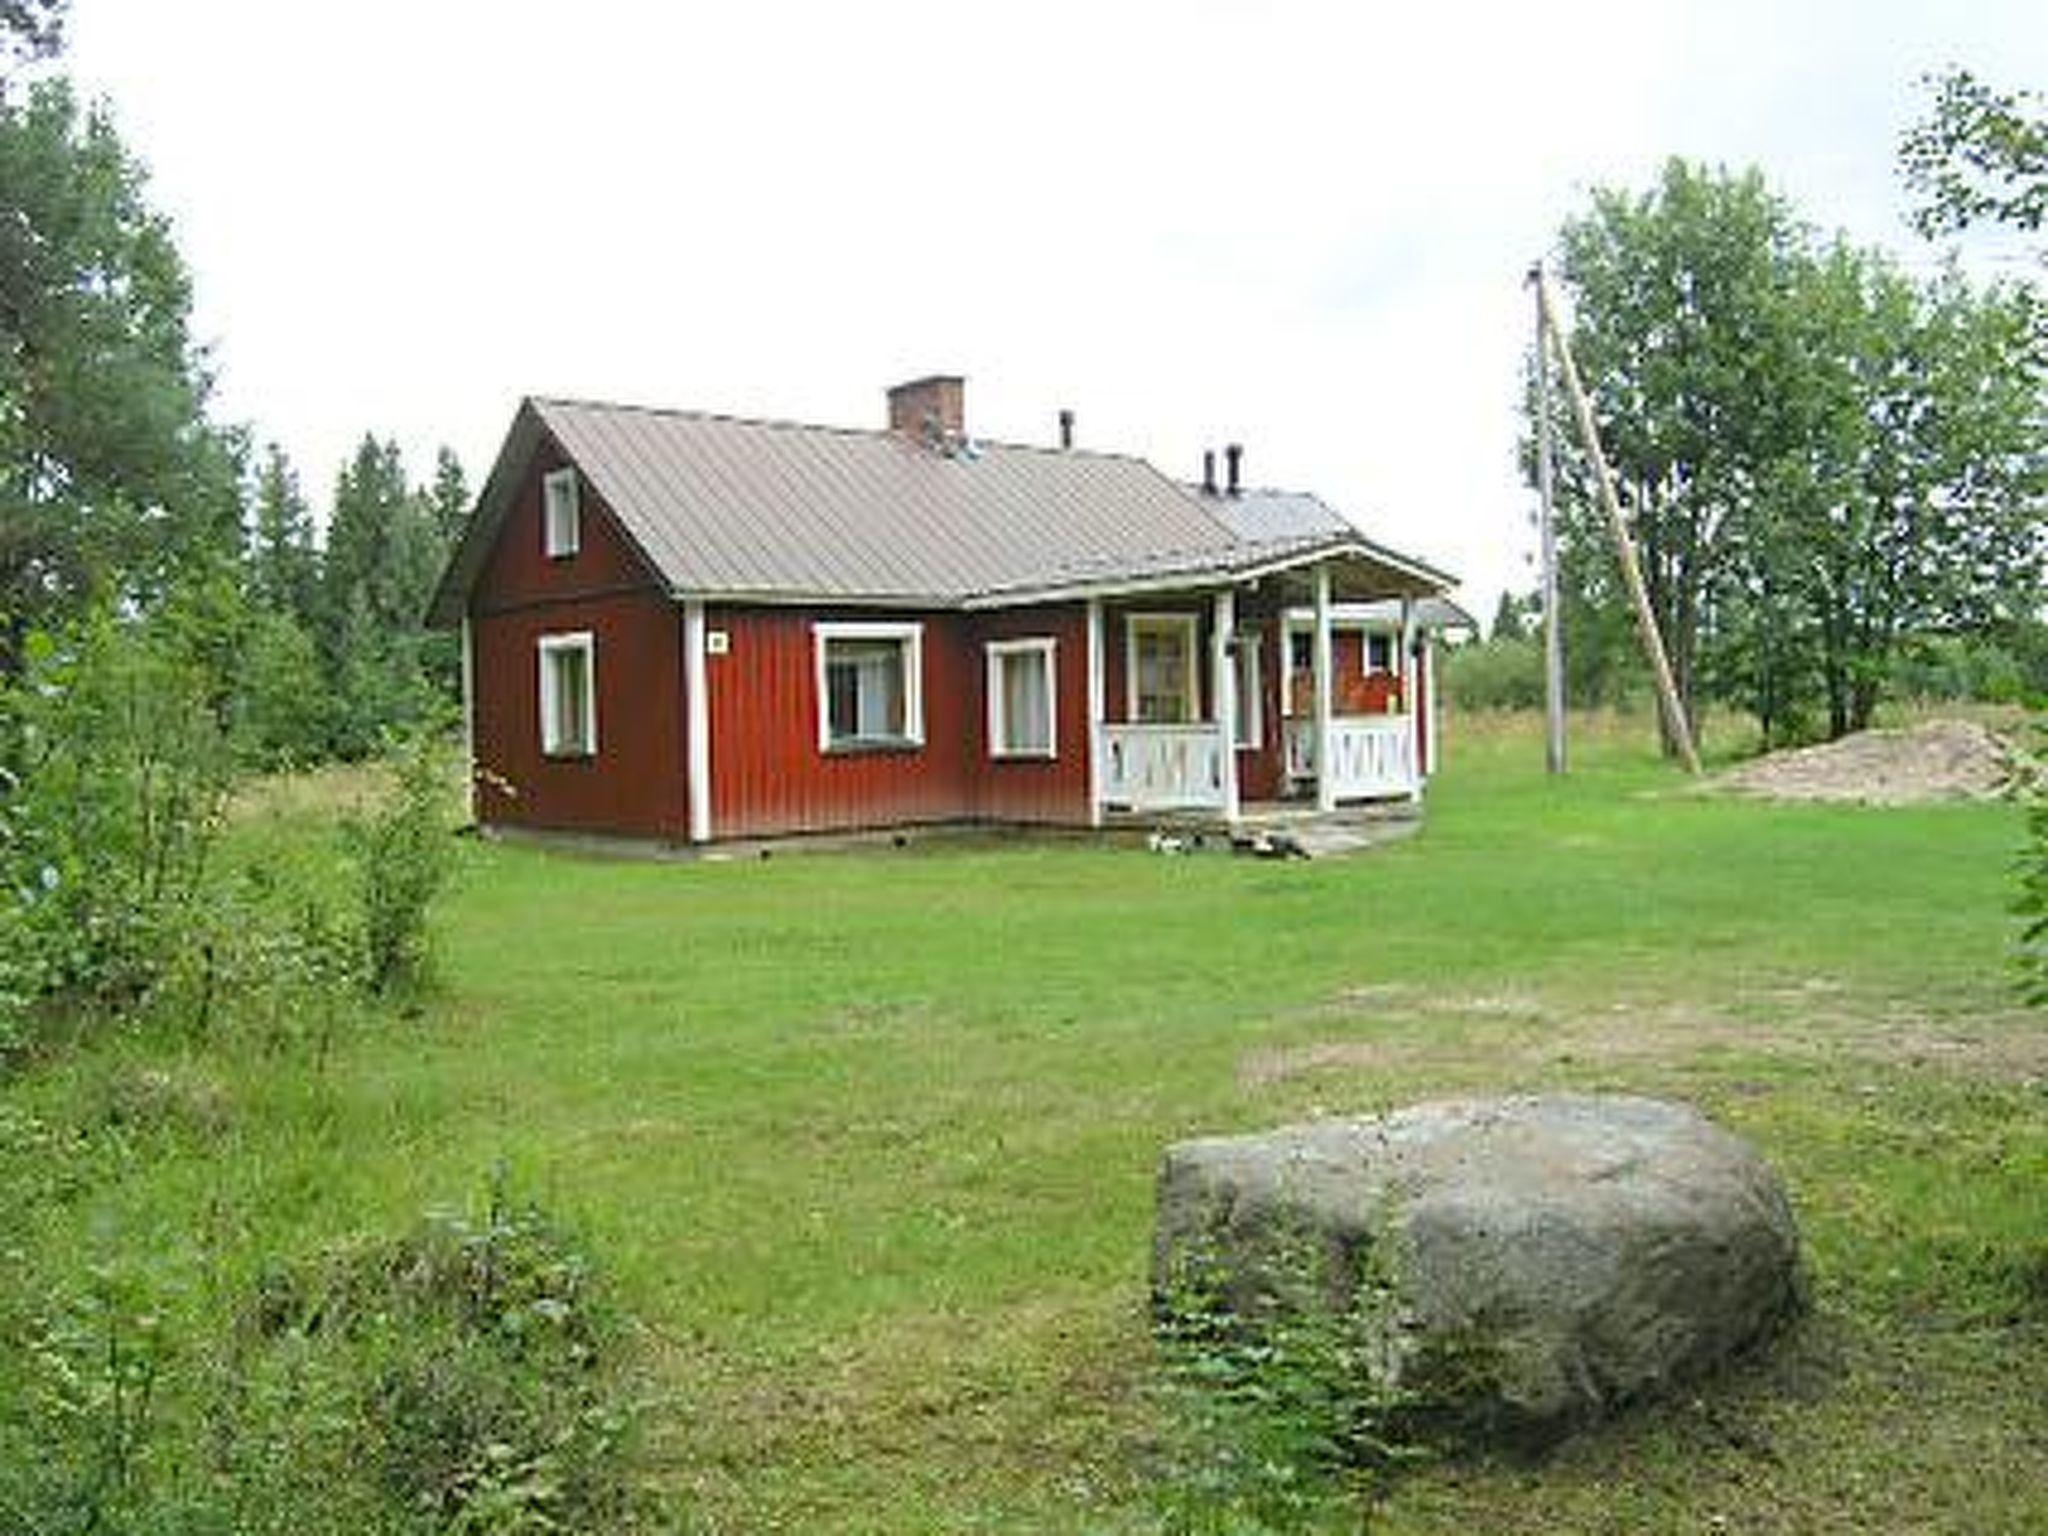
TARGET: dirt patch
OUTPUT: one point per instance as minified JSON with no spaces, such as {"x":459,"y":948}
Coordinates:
{"x":1937,"y":760}
{"x":1523,"y":1036}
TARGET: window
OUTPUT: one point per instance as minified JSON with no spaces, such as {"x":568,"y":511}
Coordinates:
{"x":1159,"y":667}
{"x":568,"y":695}
{"x":1250,"y":727}
{"x":561,"y":514}
{"x":870,"y":686}
{"x":1379,"y":653}
{"x":1020,"y":698}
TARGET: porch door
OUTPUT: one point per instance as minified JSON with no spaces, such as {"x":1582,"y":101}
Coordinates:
{"x":1162,"y":662}
{"x":1248,"y":731}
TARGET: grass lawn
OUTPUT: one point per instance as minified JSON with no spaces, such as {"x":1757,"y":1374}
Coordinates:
{"x":866,"y":1142}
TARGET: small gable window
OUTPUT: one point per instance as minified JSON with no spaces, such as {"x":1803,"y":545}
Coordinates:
{"x":1021,"y":714}
{"x":561,"y":514}
{"x":568,"y":695}
{"x":870,"y":685}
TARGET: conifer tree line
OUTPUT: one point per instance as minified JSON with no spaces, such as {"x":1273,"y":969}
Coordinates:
{"x":121,"y":495}
{"x":337,"y":652}
{"x":1834,"y":467}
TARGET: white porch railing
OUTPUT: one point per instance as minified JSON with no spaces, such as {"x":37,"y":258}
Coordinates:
{"x":1374,"y":755}
{"x":1162,"y":767}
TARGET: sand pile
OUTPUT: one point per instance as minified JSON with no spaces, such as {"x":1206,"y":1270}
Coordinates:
{"x":1939,"y":760}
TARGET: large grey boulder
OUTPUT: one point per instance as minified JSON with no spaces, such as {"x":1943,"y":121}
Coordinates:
{"x":1526,"y":1263}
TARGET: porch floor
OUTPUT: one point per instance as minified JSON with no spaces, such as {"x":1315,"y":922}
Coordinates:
{"x":1292,"y":826}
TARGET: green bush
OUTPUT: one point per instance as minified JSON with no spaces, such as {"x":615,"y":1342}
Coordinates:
{"x":401,"y":855}
{"x":465,"y":1376}
{"x":474,"y":1365}
{"x":1279,"y":1404}
{"x":1496,"y":674}
{"x":118,"y":774}
{"x":2032,"y":901}
{"x":1953,"y":668}
{"x":284,"y":711}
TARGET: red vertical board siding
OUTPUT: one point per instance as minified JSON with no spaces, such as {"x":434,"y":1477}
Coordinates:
{"x":633,"y":786}
{"x":768,"y":775}
{"x":1035,"y":789}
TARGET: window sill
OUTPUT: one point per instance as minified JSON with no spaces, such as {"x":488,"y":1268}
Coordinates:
{"x":1040,"y":755}
{"x":569,"y":755}
{"x":880,"y":744}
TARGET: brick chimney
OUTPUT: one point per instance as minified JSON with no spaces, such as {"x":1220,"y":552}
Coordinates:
{"x":933,"y":408}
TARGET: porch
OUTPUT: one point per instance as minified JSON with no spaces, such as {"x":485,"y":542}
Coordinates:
{"x":1154,"y":768}
{"x":1240,"y":696}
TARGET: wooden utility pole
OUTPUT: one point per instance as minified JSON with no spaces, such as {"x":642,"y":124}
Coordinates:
{"x":1553,"y":621}
{"x":1624,"y":547}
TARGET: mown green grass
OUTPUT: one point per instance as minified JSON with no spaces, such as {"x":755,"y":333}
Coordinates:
{"x":866,"y":1141}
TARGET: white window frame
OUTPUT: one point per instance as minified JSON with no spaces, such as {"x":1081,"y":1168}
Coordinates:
{"x":561,"y":513}
{"x":1187,"y":624}
{"x":548,"y":647}
{"x":910,"y":636}
{"x":1251,"y":698}
{"x":997,"y":652}
{"x":1392,"y":641}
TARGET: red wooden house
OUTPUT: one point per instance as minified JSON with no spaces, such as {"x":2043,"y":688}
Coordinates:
{"x":689,"y":627}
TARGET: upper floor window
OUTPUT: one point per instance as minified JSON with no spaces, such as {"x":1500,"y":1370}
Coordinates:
{"x":870,"y":685}
{"x":568,"y":695}
{"x":1021,"y":711}
{"x":561,"y":513}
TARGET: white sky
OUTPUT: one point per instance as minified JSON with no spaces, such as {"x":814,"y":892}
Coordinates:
{"x":1299,"y":226}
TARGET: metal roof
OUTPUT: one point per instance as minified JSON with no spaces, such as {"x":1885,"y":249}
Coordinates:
{"x":1270,"y":514}
{"x":723,"y":507}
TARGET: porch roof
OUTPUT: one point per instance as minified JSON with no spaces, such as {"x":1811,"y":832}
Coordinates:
{"x":1360,"y":571}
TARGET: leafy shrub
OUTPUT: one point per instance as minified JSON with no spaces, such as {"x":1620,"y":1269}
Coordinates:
{"x":465,"y":1376}
{"x":474,"y":1365}
{"x":283,"y":715}
{"x":1281,"y":1404}
{"x":1497,"y":674}
{"x":401,"y":855}
{"x":87,"y":1405}
{"x":2032,"y":901}
{"x":119,"y":771}
{"x":1950,"y":668}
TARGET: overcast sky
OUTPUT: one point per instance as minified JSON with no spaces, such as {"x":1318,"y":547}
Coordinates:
{"x":1299,"y":226}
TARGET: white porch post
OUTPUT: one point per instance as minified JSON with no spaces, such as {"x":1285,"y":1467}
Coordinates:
{"x":1433,"y":707}
{"x":1095,"y":691}
{"x":469,"y":716}
{"x":1409,"y":671}
{"x":1223,"y":690}
{"x":1326,"y":780}
{"x":697,"y":723}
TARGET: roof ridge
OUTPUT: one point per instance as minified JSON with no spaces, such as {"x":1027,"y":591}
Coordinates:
{"x":790,"y":424}
{"x":1256,"y":490}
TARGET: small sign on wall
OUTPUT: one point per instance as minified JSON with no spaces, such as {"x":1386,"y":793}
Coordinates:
{"x":717,"y":642}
